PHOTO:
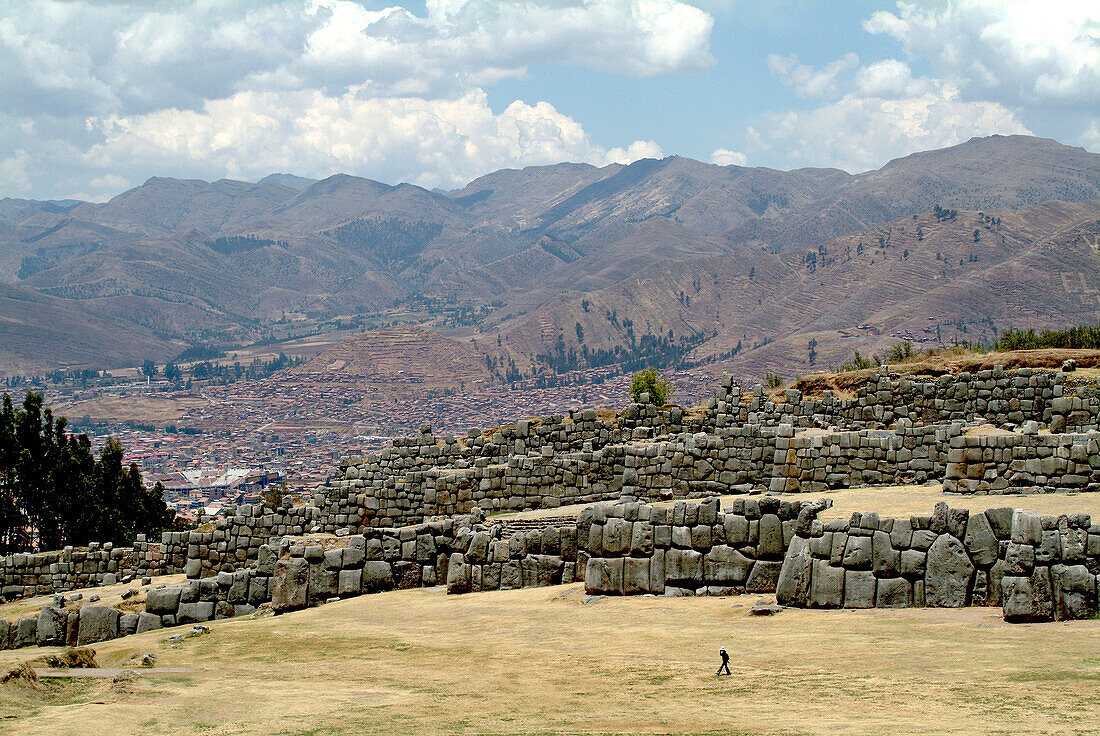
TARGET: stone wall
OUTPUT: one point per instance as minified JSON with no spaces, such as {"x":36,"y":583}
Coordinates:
{"x":1037,"y":567}
{"x":687,"y":549}
{"x":1000,"y":463}
{"x":24,"y":575}
{"x":895,"y":429}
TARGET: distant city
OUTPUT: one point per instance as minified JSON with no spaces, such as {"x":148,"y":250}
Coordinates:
{"x":289,"y":430}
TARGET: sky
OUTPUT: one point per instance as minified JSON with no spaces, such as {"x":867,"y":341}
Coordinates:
{"x":96,"y":96}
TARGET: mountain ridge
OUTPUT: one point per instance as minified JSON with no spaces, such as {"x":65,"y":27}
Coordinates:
{"x":222,"y":261}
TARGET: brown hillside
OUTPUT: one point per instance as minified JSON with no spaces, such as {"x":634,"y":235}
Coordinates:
{"x":925,"y":279}
{"x":404,"y":358}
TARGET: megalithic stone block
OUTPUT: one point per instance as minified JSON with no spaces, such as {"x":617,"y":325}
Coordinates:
{"x":793,"y":587}
{"x":290,"y":589}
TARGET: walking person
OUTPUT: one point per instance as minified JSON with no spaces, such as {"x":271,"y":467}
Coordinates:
{"x":725,"y":662}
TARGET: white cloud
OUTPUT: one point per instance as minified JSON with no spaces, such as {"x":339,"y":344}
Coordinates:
{"x":807,"y":81}
{"x":995,"y":64}
{"x":857,"y":133}
{"x":890,"y":78}
{"x":440,"y":142}
{"x":726,"y":157}
{"x":1091,"y":137}
{"x":209,"y":89}
{"x":121,"y":57}
{"x":1014,"y":51}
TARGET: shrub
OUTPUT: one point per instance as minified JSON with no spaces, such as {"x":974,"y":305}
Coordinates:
{"x":649,"y":381}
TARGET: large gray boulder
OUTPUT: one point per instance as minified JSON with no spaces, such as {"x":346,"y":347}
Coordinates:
{"x":162,"y":600}
{"x":196,"y":613}
{"x":26,"y":633}
{"x":458,"y":574}
{"x":604,"y":576}
{"x":980,"y":541}
{"x":764,"y":576}
{"x":636,"y":575}
{"x":683,"y":568}
{"x":511,"y":575}
{"x":5,"y":633}
{"x":350,"y":583}
{"x":893,"y":593}
{"x":97,"y":623}
{"x":1027,"y":528}
{"x":859,"y":589}
{"x":1074,"y":590}
{"x":377,"y":576}
{"x":724,"y":565}
{"x":127,"y":624}
{"x":1027,"y":599}
{"x":147,"y":622}
{"x":885,"y":560}
{"x":616,"y":537}
{"x":793,"y":587}
{"x":857,"y":553}
{"x":770,"y":537}
{"x":51,"y":627}
{"x":826,"y":585}
{"x":947,"y":574}
{"x":291,"y":586}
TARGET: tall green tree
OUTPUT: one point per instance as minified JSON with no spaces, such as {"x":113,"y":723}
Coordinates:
{"x":54,"y":492}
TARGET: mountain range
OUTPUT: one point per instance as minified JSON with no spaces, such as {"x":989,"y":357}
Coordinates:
{"x":658,"y":259}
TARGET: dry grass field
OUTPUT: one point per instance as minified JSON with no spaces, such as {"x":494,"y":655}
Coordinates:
{"x":153,"y":410}
{"x":904,"y":501}
{"x":544,"y":661}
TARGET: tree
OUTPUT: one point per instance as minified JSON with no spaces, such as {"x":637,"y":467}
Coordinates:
{"x":274,"y":495}
{"x":53,"y":492}
{"x":149,"y":368}
{"x":648,"y":381}
{"x":172,"y":371}
{"x":580,"y":333}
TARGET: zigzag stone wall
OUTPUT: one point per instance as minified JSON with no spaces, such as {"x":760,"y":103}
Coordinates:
{"x":1039,"y":568}
{"x":407,"y":506}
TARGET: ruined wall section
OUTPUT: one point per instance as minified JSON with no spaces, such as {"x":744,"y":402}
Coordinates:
{"x":1007,"y":463}
{"x":688,"y":549}
{"x":1037,"y":567}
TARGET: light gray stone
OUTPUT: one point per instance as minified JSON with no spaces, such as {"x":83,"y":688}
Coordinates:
{"x":162,"y":600}
{"x":1074,"y":592}
{"x":147,"y":622}
{"x":97,"y":623}
{"x":51,"y":627}
{"x":980,"y":541}
{"x":377,"y":576}
{"x":948,"y":573}
{"x":723,"y":565}
{"x":196,"y":613}
{"x":893,"y":593}
{"x":859,"y":589}
{"x":764,"y":576}
{"x":793,"y":586}
{"x":826,"y":585}
{"x":290,"y":589}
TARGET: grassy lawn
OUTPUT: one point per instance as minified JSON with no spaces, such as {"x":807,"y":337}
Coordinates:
{"x":901,"y":501}
{"x":543,"y":661}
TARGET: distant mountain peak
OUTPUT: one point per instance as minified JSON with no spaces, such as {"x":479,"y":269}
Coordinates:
{"x":288,"y":180}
